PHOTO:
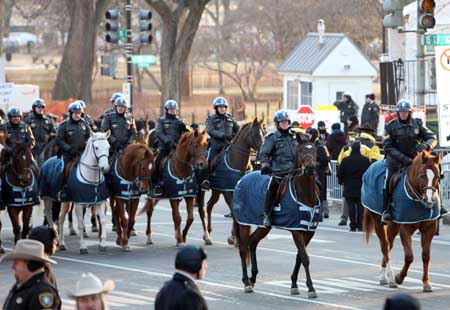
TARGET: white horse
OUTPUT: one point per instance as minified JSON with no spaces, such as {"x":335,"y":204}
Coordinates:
{"x":88,"y":177}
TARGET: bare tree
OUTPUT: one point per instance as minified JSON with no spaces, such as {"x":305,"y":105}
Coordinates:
{"x":2,"y":13}
{"x":74,"y":79}
{"x":180,"y":20}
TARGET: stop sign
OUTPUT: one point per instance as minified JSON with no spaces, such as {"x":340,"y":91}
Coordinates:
{"x":305,"y":116}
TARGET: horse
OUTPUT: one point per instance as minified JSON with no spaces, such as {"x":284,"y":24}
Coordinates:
{"x":128,"y":178}
{"x":19,"y":186}
{"x":3,"y":136}
{"x":415,"y":207}
{"x":298,"y":211}
{"x":233,"y":164}
{"x":143,"y":131}
{"x":86,"y":186}
{"x":179,"y":168}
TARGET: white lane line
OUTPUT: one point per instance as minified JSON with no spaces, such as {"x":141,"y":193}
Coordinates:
{"x":408,"y":279}
{"x":113,"y":298}
{"x":137,"y":296}
{"x":321,"y":289}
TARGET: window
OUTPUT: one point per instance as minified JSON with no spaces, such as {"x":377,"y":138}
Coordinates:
{"x":306,"y":93}
{"x":339,"y":95}
{"x":292,"y":95}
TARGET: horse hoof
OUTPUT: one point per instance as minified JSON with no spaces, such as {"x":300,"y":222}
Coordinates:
{"x":126,"y":248}
{"x":295,"y":291}
{"x":427,"y":288}
{"x":397,"y":279}
{"x":384,"y":281}
{"x":114,"y":228}
{"x":118,"y":241}
{"x":180,"y":244}
{"x":94,"y":229}
{"x":72,"y":232}
{"x":85,"y":234}
{"x":83,"y":251}
{"x":393,"y":285}
{"x":62,"y":247}
{"x":208,"y":241}
{"x":149,"y":241}
{"x":312,"y":294}
{"x":2,"y":250}
{"x":248,"y":289}
{"x":102,"y":248}
{"x":133,"y":233}
{"x":230,"y":240}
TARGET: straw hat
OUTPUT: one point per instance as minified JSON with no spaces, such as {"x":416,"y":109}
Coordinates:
{"x":89,"y":284}
{"x":28,"y":249}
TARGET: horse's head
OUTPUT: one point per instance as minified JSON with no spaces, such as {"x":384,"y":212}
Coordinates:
{"x":97,"y":148}
{"x":143,"y":130}
{"x":306,"y":156}
{"x":139,"y":164}
{"x":425,"y":176}
{"x":192,"y":146}
{"x":21,"y":161}
{"x":254,"y":134}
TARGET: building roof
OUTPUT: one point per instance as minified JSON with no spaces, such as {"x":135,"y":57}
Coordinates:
{"x":309,"y":53}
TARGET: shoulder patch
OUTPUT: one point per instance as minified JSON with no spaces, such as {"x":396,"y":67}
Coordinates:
{"x":46,"y":299}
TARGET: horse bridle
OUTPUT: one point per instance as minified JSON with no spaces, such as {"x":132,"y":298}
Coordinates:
{"x":419,"y":195}
{"x":253,"y":136}
{"x":194,"y":160}
{"x":19,"y":176}
{"x":97,"y":159}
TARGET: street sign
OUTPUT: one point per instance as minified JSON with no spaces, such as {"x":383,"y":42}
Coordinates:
{"x":442,"y":82}
{"x":305,"y":116}
{"x":143,"y":60}
{"x":440,"y":39}
{"x":122,"y":34}
{"x":126,"y":91}
{"x":7,"y":94}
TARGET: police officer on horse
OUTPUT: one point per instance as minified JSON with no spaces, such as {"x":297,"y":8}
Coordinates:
{"x":112,"y":100}
{"x":404,"y":138}
{"x":41,"y":125}
{"x":71,"y":137}
{"x":17,"y":130}
{"x":278,"y":158}
{"x":87,"y":118}
{"x":168,"y":131}
{"x":121,"y":125}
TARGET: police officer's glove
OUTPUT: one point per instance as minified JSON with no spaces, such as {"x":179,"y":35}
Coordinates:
{"x":406,"y":161}
{"x":73,"y":152}
{"x":228,"y":136}
{"x":265,"y":170}
{"x":173,"y":145}
{"x":422,"y":147}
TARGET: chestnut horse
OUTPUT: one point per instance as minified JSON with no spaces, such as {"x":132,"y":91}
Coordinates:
{"x":422,"y":184}
{"x":249,"y":137}
{"x":3,"y":136}
{"x":189,"y":155}
{"x":129,"y":177}
{"x":306,"y":192}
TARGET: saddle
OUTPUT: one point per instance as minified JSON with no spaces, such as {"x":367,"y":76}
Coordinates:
{"x":395,"y":178}
{"x":215,"y":160}
{"x":281,"y":190}
{"x":69,"y":167}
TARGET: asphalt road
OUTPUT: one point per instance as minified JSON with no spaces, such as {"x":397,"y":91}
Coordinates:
{"x":344,"y":268}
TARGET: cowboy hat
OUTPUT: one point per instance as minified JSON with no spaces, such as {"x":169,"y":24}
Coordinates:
{"x":89,"y":284}
{"x":28,"y":249}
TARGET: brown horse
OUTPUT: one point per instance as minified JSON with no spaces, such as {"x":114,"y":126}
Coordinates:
{"x":19,"y":174}
{"x":131,"y":172}
{"x":3,"y":136}
{"x":189,"y":155}
{"x":422,"y":180}
{"x":249,"y":137}
{"x":302,"y":180}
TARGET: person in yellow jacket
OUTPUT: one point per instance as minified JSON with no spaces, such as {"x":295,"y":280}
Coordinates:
{"x":369,"y":147}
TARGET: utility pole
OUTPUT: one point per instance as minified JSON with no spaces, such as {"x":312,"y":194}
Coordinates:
{"x":129,"y":53}
{"x":420,"y":56}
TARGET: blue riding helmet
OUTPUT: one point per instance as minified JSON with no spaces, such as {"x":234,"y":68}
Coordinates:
{"x":281,"y":116}
{"x":115,"y":96}
{"x":190,"y":258}
{"x":120,"y":102}
{"x":82,"y":103}
{"x":404,"y":105}
{"x":14,"y":111}
{"x":75,"y":107}
{"x":38,"y":102}
{"x":220,"y":102}
{"x":170,"y":105}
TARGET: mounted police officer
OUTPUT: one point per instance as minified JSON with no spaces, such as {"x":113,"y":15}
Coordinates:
{"x":278,"y":157}
{"x":41,"y":125}
{"x":347,"y":108}
{"x":71,"y":137}
{"x":121,"y":125}
{"x":112,"y":100}
{"x":404,"y":137}
{"x":17,"y":130}
{"x":168,"y":131}
{"x":181,"y":292}
{"x":87,"y":118}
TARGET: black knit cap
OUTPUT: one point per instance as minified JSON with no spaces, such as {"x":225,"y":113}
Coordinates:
{"x":402,"y":302}
{"x":190,"y":258}
{"x":45,"y":235}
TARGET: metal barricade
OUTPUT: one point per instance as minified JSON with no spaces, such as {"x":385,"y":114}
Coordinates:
{"x":334,"y":190}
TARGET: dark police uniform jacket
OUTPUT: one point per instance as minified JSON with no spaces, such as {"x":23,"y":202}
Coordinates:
{"x":123,"y":130}
{"x":169,"y":130}
{"x":370,"y":115}
{"x":401,"y":140}
{"x":90,"y":121}
{"x":36,"y":293}
{"x":347,"y":109}
{"x":21,"y":133}
{"x":42,"y":127}
{"x":72,"y":135}
{"x":220,"y":126}
{"x":279,"y":150}
{"x":180,"y":293}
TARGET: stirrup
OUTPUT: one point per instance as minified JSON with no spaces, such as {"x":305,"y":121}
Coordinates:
{"x":266,"y":221}
{"x":443,"y":212}
{"x":386,"y":217}
{"x":157,"y":191}
{"x":205,"y":186}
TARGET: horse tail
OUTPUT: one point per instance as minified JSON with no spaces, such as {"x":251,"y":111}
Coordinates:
{"x":368,"y":225}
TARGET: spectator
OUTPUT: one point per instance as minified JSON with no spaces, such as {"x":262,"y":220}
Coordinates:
{"x":350,"y":174}
{"x":32,"y":289}
{"x":347,"y":108}
{"x":49,"y":238}
{"x":323,"y":134}
{"x":370,"y":113}
{"x":181,"y":292}
{"x":89,"y":292}
{"x":352,"y":125}
{"x":336,"y":141}
{"x":402,"y":302}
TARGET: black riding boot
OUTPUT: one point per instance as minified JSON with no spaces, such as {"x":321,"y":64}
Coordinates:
{"x":386,"y":217}
{"x":443,"y":211}
{"x":268,"y":209}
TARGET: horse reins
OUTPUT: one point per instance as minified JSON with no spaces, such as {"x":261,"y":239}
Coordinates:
{"x":93,"y":167}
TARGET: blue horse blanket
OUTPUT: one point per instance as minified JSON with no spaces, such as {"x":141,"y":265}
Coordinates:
{"x":224,"y":178}
{"x":404,"y":209}
{"x":120,"y":188}
{"x":290,"y":214}
{"x":175,"y":188}
{"x":16,"y":196}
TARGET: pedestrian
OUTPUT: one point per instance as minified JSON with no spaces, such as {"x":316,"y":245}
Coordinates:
{"x":32,"y":289}
{"x":89,"y":292}
{"x":347,"y":108}
{"x":350,"y":173}
{"x":370,"y":113}
{"x":352,"y":125}
{"x":402,"y":301}
{"x":323,"y":134}
{"x":182,"y":292}
{"x":49,"y":238}
{"x":336,"y":141}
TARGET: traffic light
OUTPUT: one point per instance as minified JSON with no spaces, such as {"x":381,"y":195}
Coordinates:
{"x":108,"y":65}
{"x":394,"y":13}
{"x":145,"y":26}
{"x":112,"y":26}
{"x":425,"y":14}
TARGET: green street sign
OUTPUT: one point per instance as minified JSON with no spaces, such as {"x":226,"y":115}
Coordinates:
{"x":436,"y":39}
{"x":122,"y":34}
{"x":143,"y":60}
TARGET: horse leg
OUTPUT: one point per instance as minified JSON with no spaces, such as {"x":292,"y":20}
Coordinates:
{"x":210,"y":205}
{"x":62,"y":215}
{"x":80,"y":219}
{"x":72,"y":231}
{"x":13,"y":213}
{"x":85,"y":234}
{"x":94,"y":227}
{"x":299,"y":239}
{"x":406,"y":232}
{"x":386,"y":276}
{"x":27,"y":212}
{"x":120,"y":229}
{"x":175,"y":204}
{"x":48,"y":212}
{"x":102,"y":225}
{"x":132,"y":231}
{"x":148,"y":231}
{"x":2,"y":250}
{"x":190,"y":216}
{"x":229,"y":200}
{"x":427,"y":232}
{"x":122,"y":224}
{"x":254,"y":240}
{"x":56,"y":208}
{"x":244,"y":236}
{"x":200,"y":200}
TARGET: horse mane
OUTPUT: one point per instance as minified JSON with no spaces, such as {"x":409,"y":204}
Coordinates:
{"x":131,"y":151}
{"x":241,"y":130}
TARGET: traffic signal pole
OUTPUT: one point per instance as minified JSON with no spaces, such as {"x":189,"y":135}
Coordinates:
{"x":129,"y":53}
{"x":420,"y":56}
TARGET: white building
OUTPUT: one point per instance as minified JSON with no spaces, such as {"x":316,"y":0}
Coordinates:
{"x":322,"y":67}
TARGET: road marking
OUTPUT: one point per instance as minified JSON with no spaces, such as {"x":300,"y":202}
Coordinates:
{"x":137,"y":296}
{"x":321,"y":289}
